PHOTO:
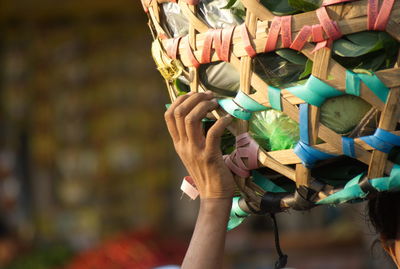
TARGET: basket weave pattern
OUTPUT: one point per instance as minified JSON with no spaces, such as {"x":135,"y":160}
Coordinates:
{"x":310,"y":33}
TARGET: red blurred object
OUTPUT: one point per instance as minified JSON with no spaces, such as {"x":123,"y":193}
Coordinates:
{"x":139,"y":250}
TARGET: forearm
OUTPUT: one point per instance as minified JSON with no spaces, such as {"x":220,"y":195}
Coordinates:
{"x":206,"y":249}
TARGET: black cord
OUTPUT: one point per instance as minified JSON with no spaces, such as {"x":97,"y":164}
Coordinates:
{"x":282,"y":261}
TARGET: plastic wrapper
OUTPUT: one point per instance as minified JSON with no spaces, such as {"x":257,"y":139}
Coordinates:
{"x":273,"y":130}
{"x":218,"y":14}
{"x":283,"y":68}
{"x":214,"y":12}
{"x":176,"y":23}
{"x":221,"y":78}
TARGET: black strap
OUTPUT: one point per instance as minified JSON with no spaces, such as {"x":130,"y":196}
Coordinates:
{"x":366,"y":187}
{"x":282,"y":261}
{"x":271,"y":202}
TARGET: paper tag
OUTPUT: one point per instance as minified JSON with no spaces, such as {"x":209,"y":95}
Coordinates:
{"x":189,"y":188}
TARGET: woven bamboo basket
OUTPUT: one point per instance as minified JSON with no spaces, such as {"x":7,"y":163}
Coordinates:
{"x":310,"y":33}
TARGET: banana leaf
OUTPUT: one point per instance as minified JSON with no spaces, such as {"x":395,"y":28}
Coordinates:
{"x":368,"y":50}
{"x":343,"y":113}
{"x":282,"y":68}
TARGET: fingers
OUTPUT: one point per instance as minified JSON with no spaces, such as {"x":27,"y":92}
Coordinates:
{"x":193,"y":120}
{"x":170,"y":118}
{"x":213,"y":138}
{"x":182,"y":110}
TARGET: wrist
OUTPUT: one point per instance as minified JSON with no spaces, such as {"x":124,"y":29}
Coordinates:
{"x":213,"y":205}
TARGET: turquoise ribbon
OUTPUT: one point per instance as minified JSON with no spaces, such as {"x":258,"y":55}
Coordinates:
{"x":353,"y":83}
{"x":241,"y":107}
{"x":237,"y":215}
{"x":375,"y":85}
{"x":315,"y":91}
{"x":274,"y":96}
{"x":266,"y":184}
{"x":352,"y":190}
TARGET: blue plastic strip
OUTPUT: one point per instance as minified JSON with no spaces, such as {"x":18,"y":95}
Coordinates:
{"x":382,"y":140}
{"x":388,"y":137}
{"x":274,"y":96}
{"x":303,"y":150}
{"x":375,"y":85}
{"x":353,"y":83}
{"x":348,"y":147}
{"x":310,"y":155}
{"x":303,"y":123}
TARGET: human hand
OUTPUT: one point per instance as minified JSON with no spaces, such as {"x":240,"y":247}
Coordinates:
{"x":200,"y":153}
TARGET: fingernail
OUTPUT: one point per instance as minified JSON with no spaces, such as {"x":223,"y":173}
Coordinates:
{"x":214,"y":100}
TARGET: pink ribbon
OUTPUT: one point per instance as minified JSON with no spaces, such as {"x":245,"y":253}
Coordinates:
{"x":301,"y":38}
{"x":246,"y":148}
{"x":190,"y":53}
{"x":248,"y":47}
{"x":172,"y":47}
{"x":378,"y":20}
{"x":207,"y":46}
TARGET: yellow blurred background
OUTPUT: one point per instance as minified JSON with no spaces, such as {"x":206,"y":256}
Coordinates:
{"x":88,"y":175}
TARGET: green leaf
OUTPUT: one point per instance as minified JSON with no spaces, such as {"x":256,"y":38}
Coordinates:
{"x":292,"y":56}
{"x":240,"y":13}
{"x":230,"y":4}
{"x":371,"y":51}
{"x":305,"y":5}
{"x":307,"y":69}
{"x":181,"y":87}
{"x":358,"y":44}
{"x":279,"y":7}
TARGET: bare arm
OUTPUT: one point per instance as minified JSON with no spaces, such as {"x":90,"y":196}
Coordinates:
{"x":202,"y":158}
{"x":206,"y":248}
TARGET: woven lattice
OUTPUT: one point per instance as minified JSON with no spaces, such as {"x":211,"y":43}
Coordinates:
{"x":312,"y":34}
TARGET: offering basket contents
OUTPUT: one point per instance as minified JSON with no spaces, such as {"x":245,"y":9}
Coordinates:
{"x":314,"y":86}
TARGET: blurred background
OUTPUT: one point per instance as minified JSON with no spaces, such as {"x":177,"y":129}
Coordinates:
{"x":88,"y":174}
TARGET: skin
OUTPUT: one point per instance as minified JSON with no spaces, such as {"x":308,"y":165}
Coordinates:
{"x":202,"y":158}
